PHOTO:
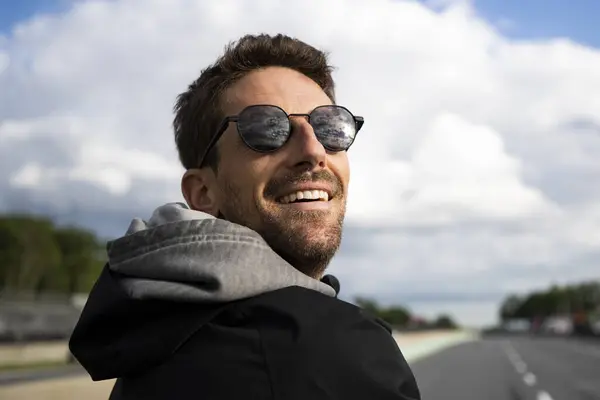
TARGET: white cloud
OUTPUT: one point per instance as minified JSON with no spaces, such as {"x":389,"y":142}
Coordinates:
{"x":479,"y":154}
{"x":98,"y":156}
{"x":29,"y":176}
{"x":4,"y":61}
{"x":457,"y":171}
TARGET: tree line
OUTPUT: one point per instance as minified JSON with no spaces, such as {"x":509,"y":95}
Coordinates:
{"x":581,"y":299}
{"x":38,"y":256}
{"x":401,"y":317}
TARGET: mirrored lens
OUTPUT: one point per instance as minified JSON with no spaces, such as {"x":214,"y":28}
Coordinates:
{"x":264,"y":128}
{"x":334,"y":126}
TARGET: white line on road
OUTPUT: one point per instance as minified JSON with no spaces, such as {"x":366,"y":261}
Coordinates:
{"x":521,"y":367}
{"x":515,"y":359}
{"x":543,"y":396}
{"x":512,"y":354}
{"x":529,"y":379}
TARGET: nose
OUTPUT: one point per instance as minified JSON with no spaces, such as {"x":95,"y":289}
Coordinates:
{"x":305,"y":151}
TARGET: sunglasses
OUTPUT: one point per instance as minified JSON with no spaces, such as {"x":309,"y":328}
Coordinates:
{"x":266,"y":128}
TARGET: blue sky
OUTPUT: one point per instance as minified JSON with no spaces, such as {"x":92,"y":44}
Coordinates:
{"x":577,"y":19}
{"x":529,"y":19}
{"x":13,"y":11}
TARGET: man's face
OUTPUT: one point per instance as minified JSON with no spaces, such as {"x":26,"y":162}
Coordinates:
{"x":249,"y":186}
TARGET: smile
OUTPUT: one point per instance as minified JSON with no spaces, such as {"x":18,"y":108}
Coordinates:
{"x":304,"y":196}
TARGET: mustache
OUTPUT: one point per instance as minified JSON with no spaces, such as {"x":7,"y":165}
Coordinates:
{"x":275,"y":186}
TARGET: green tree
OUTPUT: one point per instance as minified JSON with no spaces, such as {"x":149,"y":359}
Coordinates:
{"x":445,"y":321}
{"x":11,"y":249}
{"x":79,"y":249}
{"x":509,"y":306}
{"x":557,"y":300}
{"x":36,"y":256}
{"x":367,"y":304}
{"x":395,"y":315}
{"x":29,"y":249}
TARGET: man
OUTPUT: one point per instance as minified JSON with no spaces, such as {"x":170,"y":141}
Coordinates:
{"x":227,"y":298}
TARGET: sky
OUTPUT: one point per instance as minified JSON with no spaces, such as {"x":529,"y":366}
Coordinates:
{"x":475,"y":175}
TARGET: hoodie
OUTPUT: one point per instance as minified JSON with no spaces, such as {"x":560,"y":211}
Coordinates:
{"x":183,"y":275}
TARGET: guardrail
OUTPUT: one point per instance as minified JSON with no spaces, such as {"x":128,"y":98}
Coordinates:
{"x":22,"y":321}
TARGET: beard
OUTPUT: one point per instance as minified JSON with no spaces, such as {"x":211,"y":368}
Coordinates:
{"x":307,"y":240}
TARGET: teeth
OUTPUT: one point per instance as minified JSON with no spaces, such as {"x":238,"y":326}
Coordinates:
{"x":305,"y":194}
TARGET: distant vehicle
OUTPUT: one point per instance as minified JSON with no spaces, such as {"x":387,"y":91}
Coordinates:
{"x":583,"y":324}
{"x":557,"y":325}
{"x":596,"y":327}
{"x":517,"y":325}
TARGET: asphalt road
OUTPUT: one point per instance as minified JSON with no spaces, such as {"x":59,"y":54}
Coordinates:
{"x":515,"y":368}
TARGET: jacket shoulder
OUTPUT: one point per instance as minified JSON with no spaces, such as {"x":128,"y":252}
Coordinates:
{"x":289,"y":344}
{"x":222,"y":360}
{"x":316,"y":345}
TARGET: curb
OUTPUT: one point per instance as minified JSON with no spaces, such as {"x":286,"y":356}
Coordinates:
{"x":427,"y":347}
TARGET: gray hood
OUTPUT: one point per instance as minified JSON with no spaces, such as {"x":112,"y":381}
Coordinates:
{"x":185,"y":255}
{"x":168,"y":277}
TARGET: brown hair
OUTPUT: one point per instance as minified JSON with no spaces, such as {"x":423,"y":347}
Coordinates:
{"x":198,"y":112}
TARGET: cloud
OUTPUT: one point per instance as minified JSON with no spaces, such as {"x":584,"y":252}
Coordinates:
{"x":475,"y":173}
{"x":4,"y":61}
{"x":457,"y":171}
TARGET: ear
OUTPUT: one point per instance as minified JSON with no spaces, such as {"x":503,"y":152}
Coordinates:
{"x":198,"y":188}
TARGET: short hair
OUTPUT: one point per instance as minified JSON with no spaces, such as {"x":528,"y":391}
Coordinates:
{"x":198,"y":110}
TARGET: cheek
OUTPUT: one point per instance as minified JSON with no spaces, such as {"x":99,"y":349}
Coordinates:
{"x":238,"y":186}
{"x":340,"y":164}
{"x":259,"y":171}
{"x":346,"y":170}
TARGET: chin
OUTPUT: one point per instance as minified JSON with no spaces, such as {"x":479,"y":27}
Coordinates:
{"x":313,"y":227}
{"x":307,"y":244}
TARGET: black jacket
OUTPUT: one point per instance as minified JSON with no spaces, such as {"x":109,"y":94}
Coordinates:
{"x":288,"y":343}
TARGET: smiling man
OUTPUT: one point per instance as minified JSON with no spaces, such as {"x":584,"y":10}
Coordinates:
{"x":290,"y":188}
{"x":225,"y":297}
